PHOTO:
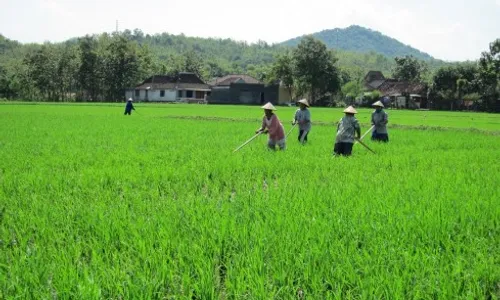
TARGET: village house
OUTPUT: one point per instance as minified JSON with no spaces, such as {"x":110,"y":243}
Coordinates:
{"x":373,"y":80}
{"x":399,"y":93}
{"x":241,"y":89}
{"x":184,"y":87}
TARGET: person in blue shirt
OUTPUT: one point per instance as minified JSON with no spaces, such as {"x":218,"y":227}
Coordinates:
{"x":129,"y":107}
{"x":348,"y":130}
{"x":380,"y":120}
{"x":303,"y":117}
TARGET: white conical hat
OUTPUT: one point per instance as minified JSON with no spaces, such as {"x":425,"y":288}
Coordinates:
{"x":130,"y":99}
{"x":350,"y":110}
{"x":378,"y":103}
{"x":269,"y":106}
{"x":304,"y":101}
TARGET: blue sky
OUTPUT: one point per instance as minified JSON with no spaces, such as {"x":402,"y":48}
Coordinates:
{"x":448,"y":29}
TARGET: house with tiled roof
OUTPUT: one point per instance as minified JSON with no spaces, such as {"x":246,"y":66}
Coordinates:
{"x":399,"y":93}
{"x":241,"y":89}
{"x":235,"y":78}
{"x":372,"y":80}
{"x":183,"y":87}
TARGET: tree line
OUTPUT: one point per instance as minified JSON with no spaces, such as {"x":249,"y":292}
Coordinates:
{"x":93,"y":68}
{"x":100,"y":67}
{"x":451,"y":85}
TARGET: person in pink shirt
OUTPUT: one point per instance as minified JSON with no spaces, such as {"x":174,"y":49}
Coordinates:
{"x":272,"y":125}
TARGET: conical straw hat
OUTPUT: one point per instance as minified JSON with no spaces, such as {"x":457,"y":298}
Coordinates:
{"x":130,"y":99}
{"x":304,"y":101}
{"x":378,"y":103}
{"x":269,"y":106}
{"x":350,"y":110}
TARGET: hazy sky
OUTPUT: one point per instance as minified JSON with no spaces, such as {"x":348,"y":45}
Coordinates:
{"x":446,"y":29}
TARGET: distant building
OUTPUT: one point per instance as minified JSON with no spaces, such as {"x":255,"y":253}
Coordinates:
{"x":241,"y":89}
{"x":373,"y":80}
{"x":184,"y":87}
{"x":402,"y":94}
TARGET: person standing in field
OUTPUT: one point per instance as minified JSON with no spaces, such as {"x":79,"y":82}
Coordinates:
{"x":272,"y":125}
{"x":303,"y":118}
{"x":129,"y":107}
{"x":347,"y":129}
{"x":380,"y":120}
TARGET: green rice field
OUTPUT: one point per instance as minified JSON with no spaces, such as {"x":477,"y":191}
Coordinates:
{"x":98,"y":205}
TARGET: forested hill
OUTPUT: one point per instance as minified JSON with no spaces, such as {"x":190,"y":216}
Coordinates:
{"x":7,"y":46}
{"x":359,"y":39}
{"x":237,"y":57}
{"x":222,"y":56}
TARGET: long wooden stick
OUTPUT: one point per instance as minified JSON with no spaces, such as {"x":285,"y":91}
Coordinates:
{"x":359,"y":141}
{"x":371,"y":128}
{"x":291,"y":130}
{"x":244,"y":144}
{"x":368,"y":131}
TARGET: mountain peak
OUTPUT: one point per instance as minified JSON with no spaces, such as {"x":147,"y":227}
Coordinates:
{"x":360,"y":39}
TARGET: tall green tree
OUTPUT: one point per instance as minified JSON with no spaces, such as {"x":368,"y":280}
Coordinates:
{"x":6,"y":90}
{"x":193,"y":63}
{"x":214,"y":69}
{"x":123,"y":67}
{"x":461,"y":88}
{"x":283,"y":70}
{"x":489,"y":76}
{"x":90,"y":72}
{"x":42,"y":66}
{"x":315,"y":69}
{"x":450,"y":83}
{"x":66,"y":73}
{"x":409,"y":68}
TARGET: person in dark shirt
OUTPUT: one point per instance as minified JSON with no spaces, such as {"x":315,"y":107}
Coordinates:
{"x":303,"y":117}
{"x":347,"y":131}
{"x":129,"y":107}
{"x":380,"y":120}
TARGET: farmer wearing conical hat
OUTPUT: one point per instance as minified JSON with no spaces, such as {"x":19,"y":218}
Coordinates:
{"x":272,"y":125}
{"x":347,"y":129}
{"x":303,"y":118}
{"x":379,"y":120}
{"x":129,"y":107}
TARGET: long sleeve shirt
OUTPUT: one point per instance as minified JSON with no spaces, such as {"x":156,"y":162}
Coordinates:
{"x":129,"y":106}
{"x":380,"y":120}
{"x":303,"y":117}
{"x":346,"y":129}
{"x":274,"y":127}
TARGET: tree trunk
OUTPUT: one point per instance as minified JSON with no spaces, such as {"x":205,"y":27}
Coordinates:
{"x":313,"y":97}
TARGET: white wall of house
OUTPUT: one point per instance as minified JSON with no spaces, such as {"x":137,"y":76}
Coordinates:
{"x":156,"y":95}
{"x":152,"y":95}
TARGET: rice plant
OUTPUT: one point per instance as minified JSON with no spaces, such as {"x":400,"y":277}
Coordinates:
{"x":97,"y":205}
